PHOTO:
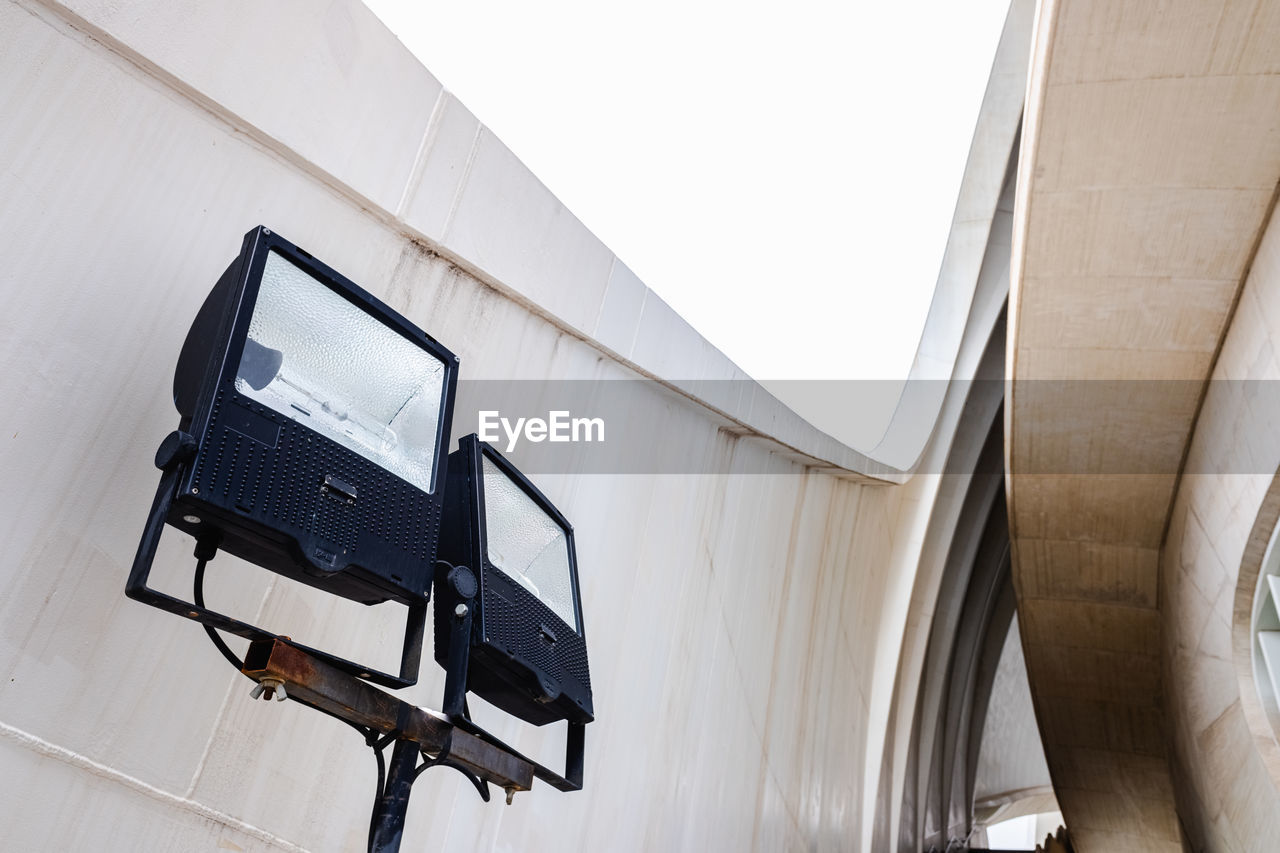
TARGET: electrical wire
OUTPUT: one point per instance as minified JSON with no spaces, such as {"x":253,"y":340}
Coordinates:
{"x":213,"y":634}
{"x":378,"y":744}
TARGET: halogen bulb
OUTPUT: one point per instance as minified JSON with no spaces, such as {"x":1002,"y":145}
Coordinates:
{"x":368,"y":433}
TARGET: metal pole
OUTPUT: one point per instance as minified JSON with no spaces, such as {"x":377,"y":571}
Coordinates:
{"x":393,"y":801}
{"x":455,"y":678}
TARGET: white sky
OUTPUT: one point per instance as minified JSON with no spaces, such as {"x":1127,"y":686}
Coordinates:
{"x":783,"y":175}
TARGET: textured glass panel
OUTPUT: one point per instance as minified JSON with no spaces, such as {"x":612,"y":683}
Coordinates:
{"x":526,"y":543}
{"x":326,"y":363}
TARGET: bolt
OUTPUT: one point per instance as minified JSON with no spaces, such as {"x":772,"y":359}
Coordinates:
{"x":460,"y":611}
{"x":511,"y":795}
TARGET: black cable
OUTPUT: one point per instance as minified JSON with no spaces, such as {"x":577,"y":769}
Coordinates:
{"x":377,"y":745}
{"x":370,"y":735}
{"x":377,"y":800}
{"x":382,"y":770}
{"x":213,"y":635}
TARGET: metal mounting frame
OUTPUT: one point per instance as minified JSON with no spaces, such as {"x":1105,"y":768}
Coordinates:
{"x":414,"y":731}
{"x":442,"y":740}
{"x":136,"y":588}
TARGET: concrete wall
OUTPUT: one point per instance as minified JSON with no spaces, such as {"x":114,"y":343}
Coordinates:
{"x":744,"y":630}
{"x":1225,"y":757}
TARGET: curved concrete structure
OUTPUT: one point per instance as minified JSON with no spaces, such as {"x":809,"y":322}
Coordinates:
{"x":981,"y":217}
{"x":1224,"y":755}
{"x":1149,"y":165}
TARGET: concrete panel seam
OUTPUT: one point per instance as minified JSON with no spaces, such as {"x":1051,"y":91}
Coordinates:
{"x":608,"y":279}
{"x":44,"y":748}
{"x":463,"y":180}
{"x":635,"y":333}
{"x":424,"y":146}
{"x":226,"y":700}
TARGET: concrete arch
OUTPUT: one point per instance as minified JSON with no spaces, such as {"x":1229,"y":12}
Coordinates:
{"x":1261,"y":535}
{"x":1131,"y":245}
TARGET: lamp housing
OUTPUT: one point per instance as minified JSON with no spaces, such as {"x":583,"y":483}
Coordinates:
{"x":528,"y":653}
{"x":320,"y":418}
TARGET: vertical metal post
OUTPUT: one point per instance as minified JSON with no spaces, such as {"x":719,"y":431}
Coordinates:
{"x":455,"y":678}
{"x":393,"y":800}
{"x":464,"y":586}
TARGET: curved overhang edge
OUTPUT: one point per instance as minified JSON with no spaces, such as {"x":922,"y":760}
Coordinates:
{"x":995,"y":142}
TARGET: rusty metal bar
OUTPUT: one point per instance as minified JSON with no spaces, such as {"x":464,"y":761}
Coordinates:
{"x":314,"y":682}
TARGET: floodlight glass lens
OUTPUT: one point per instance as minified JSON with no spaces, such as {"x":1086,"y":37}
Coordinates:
{"x":526,"y":543}
{"x":324,"y":362}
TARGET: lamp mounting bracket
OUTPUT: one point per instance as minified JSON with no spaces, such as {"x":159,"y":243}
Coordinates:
{"x":172,"y":458}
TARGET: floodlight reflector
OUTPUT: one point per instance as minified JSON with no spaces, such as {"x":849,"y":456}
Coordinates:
{"x":333,"y":367}
{"x":526,"y":543}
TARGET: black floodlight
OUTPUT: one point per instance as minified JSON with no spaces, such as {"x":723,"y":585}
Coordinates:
{"x":527,"y":652}
{"x":313,"y":425}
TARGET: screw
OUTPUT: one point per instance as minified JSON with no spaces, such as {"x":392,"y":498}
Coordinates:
{"x":195,"y":490}
{"x":191,"y":519}
{"x":511,"y":795}
{"x":460,"y":611}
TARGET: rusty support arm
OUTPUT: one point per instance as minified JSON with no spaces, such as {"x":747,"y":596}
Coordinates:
{"x":322,"y":685}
